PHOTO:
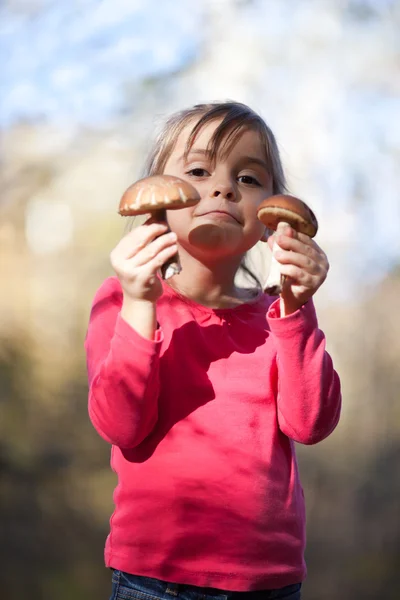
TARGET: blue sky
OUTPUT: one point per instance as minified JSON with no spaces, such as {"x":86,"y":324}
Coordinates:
{"x":70,"y":60}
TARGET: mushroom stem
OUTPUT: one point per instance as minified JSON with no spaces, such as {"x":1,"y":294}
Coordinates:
{"x":172,"y":266}
{"x":275,"y":280}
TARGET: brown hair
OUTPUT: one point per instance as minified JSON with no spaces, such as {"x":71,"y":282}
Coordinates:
{"x":234,"y":118}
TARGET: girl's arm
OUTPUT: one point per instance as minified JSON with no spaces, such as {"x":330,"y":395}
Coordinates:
{"x":309,"y":396}
{"x":122,"y":371}
{"x":122,"y":342}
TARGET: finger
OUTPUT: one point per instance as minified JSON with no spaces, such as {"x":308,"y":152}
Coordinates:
{"x":290,"y":242}
{"x":309,"y":267}
{"x":295,"y":275}
{"x":137,"y":239}
{"x":273,"y":240}
{"x":302,"y":277}
{"x":302,"y":255}
{"x":151,"y":267}
{"x":307,"y":247}
{"x":310,"y":262}
{"x":153,"y":249}
{"x":303,"y":244}
{"x":286,"y":229}
{"x":303,"y":237}
{"x":270,"y":242}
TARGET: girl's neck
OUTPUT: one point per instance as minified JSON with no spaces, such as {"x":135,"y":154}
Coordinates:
{"x":212,"y":284}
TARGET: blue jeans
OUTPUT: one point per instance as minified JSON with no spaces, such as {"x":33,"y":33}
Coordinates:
{"x":133,"y":587}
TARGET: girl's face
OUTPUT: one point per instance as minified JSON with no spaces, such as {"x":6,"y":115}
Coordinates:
{"x":224,"y":223}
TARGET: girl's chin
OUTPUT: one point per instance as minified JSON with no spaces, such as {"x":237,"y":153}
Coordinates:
{"x":213,"y":236}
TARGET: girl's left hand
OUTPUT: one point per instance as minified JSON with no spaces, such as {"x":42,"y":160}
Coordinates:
{"x":304,"y":265}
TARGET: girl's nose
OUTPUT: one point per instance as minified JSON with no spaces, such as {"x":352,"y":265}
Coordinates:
{"x":224,"y":191}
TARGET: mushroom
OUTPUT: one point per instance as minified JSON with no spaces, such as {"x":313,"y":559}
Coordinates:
{"x":276,"y":213}
{"x":155,"y":195}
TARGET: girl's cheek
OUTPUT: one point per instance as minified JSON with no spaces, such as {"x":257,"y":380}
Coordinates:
{"x":179,"y":219}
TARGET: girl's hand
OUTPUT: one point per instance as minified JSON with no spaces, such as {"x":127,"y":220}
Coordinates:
{"x":137,"y":258}
{"x":304,"y":265}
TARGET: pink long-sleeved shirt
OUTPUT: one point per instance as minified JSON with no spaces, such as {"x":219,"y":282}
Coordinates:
{"x":202,"y":423}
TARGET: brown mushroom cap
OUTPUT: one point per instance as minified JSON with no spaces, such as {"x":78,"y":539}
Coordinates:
{"x":157,"y":192}
{"x":289,"y":209}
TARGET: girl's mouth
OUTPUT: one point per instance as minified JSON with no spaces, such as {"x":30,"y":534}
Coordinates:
{"x":220,"y":215}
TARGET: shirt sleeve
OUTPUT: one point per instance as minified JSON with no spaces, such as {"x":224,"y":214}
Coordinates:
{"x":123,"y":372}
{"x":309,"y":395}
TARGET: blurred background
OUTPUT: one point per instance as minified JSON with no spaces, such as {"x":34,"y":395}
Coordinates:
{"x":84,"y":85}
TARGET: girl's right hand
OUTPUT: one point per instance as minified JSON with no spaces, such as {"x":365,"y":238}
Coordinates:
{"x":137,"y":258}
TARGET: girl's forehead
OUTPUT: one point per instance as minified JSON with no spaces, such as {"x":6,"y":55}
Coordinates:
{"x":202,"y":139}
{"x":246,"y":139}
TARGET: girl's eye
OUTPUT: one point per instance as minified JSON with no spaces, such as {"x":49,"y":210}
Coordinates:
{"x":248,"y":179}
{"x":197,"y":172}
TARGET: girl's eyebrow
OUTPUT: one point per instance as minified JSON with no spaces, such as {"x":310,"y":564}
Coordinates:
{"x":243,"y":159}
{"x":200,"y":151}
{"x":256,"y":161}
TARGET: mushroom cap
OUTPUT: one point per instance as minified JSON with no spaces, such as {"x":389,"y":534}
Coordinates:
{"x":157,"y":192}
{"x":289,"y":209}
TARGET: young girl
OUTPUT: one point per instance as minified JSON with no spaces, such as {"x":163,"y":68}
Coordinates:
{"x":203,"y":386}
